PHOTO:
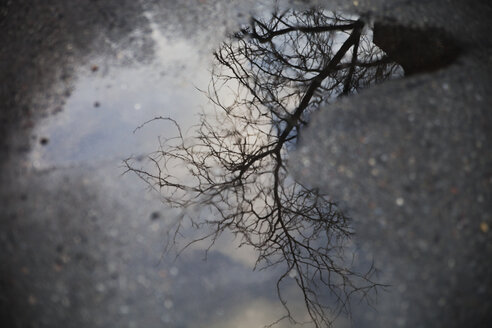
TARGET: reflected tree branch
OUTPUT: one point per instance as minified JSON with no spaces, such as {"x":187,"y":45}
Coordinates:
{"x":231,"y":175}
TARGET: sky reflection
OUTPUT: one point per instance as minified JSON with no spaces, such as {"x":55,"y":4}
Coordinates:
{"x":97,"y":128}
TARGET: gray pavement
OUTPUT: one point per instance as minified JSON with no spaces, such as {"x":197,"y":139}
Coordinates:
{"x":410,"y":161}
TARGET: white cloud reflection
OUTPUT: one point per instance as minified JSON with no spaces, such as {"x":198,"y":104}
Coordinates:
{"x":106,"y":105}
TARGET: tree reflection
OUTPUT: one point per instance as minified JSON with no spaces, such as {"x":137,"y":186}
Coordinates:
{"x":267,"y":80}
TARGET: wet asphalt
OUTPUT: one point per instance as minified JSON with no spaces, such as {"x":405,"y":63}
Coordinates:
{"x":409,"y":160}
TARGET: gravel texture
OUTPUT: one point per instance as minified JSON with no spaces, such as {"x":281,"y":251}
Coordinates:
{"x":410,"y":162}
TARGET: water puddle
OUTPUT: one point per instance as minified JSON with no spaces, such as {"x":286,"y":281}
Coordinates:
{"x":110,"y":100}
{"x":212,"y":135}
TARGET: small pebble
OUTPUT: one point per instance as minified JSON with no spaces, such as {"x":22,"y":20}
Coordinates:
{"x":32,"y":300}
{"x":168,"y":304}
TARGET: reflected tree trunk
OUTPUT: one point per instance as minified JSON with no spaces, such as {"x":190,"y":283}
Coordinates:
{"x":267,"y":81}
{"x":415,"y":50}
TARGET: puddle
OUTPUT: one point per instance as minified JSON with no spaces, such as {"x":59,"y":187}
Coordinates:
{"x":230,"y":175}
{"x":110,"y":100}
{"x":240,"y":112}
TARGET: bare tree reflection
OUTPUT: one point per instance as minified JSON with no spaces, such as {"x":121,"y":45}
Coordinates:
{"x":267,"y":81}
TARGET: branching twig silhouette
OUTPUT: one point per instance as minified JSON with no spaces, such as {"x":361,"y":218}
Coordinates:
{"x":275,"y":73}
